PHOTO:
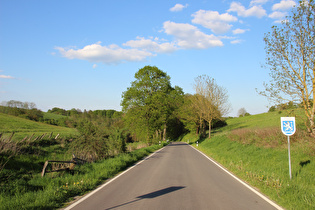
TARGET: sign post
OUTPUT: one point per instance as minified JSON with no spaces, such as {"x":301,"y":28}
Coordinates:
{"x":288,"y":128}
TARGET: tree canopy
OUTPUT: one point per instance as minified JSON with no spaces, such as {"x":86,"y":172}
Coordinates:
{"x":290,"y":56}
{"x":149,"y":103}
{"x":210,"y":100}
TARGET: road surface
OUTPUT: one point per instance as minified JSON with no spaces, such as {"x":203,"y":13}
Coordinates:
{"x":176,"y":177}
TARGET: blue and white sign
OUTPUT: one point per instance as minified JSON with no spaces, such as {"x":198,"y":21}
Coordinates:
{"x":288,"y":125}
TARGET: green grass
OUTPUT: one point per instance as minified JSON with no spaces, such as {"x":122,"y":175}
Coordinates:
{"x":247,"y":149}
{"x":23,"y":127}
{"x":21,"y":184}
{"x":264,"y":120}
{"x":54,"y":189}
{"x":53,"y":116}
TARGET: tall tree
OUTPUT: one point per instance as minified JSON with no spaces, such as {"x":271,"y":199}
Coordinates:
{"x":290,"y":53}
{"x":189,"y":115}
{"x":149,"y":103}
{"x":241,"y":112}
{"x":211,"y":100}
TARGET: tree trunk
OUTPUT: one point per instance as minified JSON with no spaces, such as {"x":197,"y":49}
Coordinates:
{"x":209,"y":129}
{"x":313,"y":110}
{"x":164,"y":132}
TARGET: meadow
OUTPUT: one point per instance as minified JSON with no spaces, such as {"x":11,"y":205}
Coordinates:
{"x":22,"y":158}
{"x":23,"y":127}
{"x":254,"y":149}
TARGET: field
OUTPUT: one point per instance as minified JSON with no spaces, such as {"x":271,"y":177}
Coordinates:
{"x":254,"y":149}
{"x":21,"y":183}
{"x":23,"y":127}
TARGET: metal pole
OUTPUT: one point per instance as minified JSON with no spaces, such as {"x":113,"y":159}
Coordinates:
{"x":289,"y":157}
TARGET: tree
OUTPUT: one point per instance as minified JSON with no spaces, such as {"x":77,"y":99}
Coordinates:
{"x":211,"y":100}
{"x":57,"y":110}
{"x":149,"y":103}
{"x":189,"y":114}
{"x":241,"y":112}
{"x":290,"y":52}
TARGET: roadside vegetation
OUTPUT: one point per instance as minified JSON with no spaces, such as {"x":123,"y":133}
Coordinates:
{"x":28,"y":190}
{"x":25,"y":145}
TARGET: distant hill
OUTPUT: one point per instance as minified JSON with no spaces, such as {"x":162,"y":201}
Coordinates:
{"x":24,"y":127}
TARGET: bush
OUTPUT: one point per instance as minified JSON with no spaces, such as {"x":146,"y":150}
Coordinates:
{"x":218,"y":123}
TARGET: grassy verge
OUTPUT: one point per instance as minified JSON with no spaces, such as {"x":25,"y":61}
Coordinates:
{"x":254,"y":149}
{"x":54,"y":189}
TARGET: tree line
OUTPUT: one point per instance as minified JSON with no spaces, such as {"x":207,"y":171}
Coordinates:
{"x":29,"y":111}
{"x":154,"y":110}
{"x":26,"y":110}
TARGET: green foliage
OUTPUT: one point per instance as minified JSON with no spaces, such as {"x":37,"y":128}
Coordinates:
{"x":254,"y":149}
{"x":31,"y":114}
{"x":290,"y":58}
{"x":150,"y":103}
{"x":117,"y":141}
{"x":284,"y":106}
{"x":58,"y":111}
{"x":29,"y":190}
{"x":188,"y":114}
{"x":21,"y":162}
{"x":218,"y":123}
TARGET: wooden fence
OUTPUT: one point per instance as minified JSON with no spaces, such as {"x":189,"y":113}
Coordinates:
{"x":59,"y":165}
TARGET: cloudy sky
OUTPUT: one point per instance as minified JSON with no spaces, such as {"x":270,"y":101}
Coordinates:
{"x":84,"y":54}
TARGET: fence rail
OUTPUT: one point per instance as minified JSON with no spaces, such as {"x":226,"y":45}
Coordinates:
{"x":60,"y":165}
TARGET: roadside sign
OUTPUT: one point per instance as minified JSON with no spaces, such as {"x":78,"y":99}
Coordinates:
{"x":288,"y":125}
{"x":288,"y":128}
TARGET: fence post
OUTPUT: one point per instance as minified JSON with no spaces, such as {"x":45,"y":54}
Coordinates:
{"x":11,"y":137}
{"x":44,"y":168}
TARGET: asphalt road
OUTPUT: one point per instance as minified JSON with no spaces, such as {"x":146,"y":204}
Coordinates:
{"x":176,"y":177}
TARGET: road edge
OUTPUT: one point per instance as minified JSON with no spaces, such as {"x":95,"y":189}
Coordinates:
{"x":241,"y":181}
{"x":109,"y":181}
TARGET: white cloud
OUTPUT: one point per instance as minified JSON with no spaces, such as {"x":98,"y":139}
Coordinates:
{"x":106,"y":54}
{"x":239,"y":31}
{"x":284,"y":5}
{"x":150,"y":45}
{"x":186,"y":36}
{"x":260,"y":2}
{"x":256,"y":11}
{"x":178,"y":7}
{"x":6,"y":77}
{"x":280,"y":10}
{"x":94,"y":66}
{"x":278,"y":15}
{"x":237,"y":41}
{"x":213,"y":20}
{"x":190,"y":37}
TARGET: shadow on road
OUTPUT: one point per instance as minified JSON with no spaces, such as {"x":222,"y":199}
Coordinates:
{"x":151,"y":195}
{"x":175,"y":144}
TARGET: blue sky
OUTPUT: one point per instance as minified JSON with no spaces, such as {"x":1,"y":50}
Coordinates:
{"x":84,"y":54}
